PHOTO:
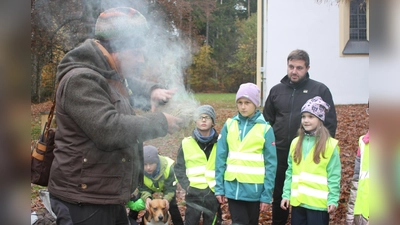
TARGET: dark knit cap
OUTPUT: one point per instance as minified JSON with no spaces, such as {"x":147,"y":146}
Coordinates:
{"x":120,"y":23}
{"x":150,"y":154}
{"x":205,"y":109}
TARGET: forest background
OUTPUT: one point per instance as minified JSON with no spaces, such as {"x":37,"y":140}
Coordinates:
{"x":219,"y":35}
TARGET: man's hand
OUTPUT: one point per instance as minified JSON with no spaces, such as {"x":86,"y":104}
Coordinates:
{"x":285,"y":203}
{"x":221,"y":199}
{"x":160,"y":97}
{"x":174,"y":123}
{"x":264,"y":207}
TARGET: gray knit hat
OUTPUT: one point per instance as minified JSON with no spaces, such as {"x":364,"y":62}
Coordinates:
{"x":120,"y":23}
{"x":205,"y":109}
{"x":150,"y":154}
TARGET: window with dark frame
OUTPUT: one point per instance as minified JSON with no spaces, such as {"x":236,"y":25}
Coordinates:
{"x":358,"y":43}
{"x":358,"y":20}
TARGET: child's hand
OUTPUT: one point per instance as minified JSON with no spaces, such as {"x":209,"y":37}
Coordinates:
{"x":264,"y":207}
{"x":331,"y":208}
{"x":285,"y":203}
{"x":220,"y":198}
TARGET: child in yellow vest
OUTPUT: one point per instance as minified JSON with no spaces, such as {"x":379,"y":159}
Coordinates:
{"x":194,"y":169}
{"x":312,"y":184}
{"x":357,"y":215}
{"x":159,"y":177}
{"x":246,"y":160}
{"x":361,"y":204}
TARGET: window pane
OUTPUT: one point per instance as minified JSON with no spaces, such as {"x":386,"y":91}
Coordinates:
{"x":353,"y":34}
{"x":353,"y":21}
{"x":353,"y":7}
{"x":362,"y":21}
{"x":362,"y":34}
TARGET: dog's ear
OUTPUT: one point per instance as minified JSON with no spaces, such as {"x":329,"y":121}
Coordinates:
{"x":147,"y":216}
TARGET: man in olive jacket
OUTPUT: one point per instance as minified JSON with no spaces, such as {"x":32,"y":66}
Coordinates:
{"x":282,"y":110}
{"x":99,"y":155}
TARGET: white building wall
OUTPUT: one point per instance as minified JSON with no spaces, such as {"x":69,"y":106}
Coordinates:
{"x":314,"y":27}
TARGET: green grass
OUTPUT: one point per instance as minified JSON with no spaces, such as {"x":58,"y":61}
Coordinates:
{"x":35,"y":131}
{"x":225,"y":100}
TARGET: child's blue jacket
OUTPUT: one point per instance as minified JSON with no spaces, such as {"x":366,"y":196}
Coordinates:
{"x":246,"y":191}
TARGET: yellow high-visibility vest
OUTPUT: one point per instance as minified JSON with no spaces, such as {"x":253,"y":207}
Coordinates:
{"x":361,"y":205}
{"x":310,"y":180}
{"x":199,"y":170}
{"x":245,"y":161}
{"x":149,"y":183}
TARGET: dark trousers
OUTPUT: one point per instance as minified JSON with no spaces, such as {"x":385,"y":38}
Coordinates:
{"x":279,"y":216}
{"x":175,"y":213}
{"x":200,"y":201}
{"x":243,"y":212}
{"x":303,"y":216}
{"x":88,"y":214}
{"x":173,"y":210}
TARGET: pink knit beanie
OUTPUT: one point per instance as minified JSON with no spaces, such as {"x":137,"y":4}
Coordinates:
{"x":317,"y":107}
{"x":249,"y":91}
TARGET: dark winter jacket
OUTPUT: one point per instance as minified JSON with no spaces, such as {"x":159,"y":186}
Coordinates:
{"x":283,"y":105}
{"x":180,"y":166}
{"x":98,"y":155}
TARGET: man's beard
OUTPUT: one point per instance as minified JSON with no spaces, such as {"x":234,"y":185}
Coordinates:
{"x":135,"y":71}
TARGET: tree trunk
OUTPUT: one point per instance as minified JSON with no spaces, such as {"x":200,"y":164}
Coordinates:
{"x":248,"y":8}
{"x":207,"y":28}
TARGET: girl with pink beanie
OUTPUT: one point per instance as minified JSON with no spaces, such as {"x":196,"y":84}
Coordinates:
{"x":246,"y":159}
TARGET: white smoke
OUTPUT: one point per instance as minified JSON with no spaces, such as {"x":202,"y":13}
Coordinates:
{"x":167,"y":56}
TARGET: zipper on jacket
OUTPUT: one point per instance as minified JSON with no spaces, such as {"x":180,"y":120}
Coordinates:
{"x":291,"y":112}
{"x":237,"y":190}
{"x":308,"y":147}
{"x":244,"y":129}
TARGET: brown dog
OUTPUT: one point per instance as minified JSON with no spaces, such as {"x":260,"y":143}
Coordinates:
{"x":157,"y":214}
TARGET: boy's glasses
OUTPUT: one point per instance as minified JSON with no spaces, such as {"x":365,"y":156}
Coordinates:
{"x":204,"y":118}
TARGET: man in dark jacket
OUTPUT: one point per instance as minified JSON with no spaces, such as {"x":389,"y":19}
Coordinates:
{"x":282,"y":111}
{"x":99,"y":155}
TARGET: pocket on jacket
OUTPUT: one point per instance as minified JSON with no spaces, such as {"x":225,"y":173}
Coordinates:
{"x":100,"y":183}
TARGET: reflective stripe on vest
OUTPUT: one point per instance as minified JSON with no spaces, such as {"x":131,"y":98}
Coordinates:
{"x":210,"y":168}
{"x":361,"y":205}
{"x":200,"y":172}
{"x":149,"y":183}
{"x":245,"y":161}
{"x":310,"y":180}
